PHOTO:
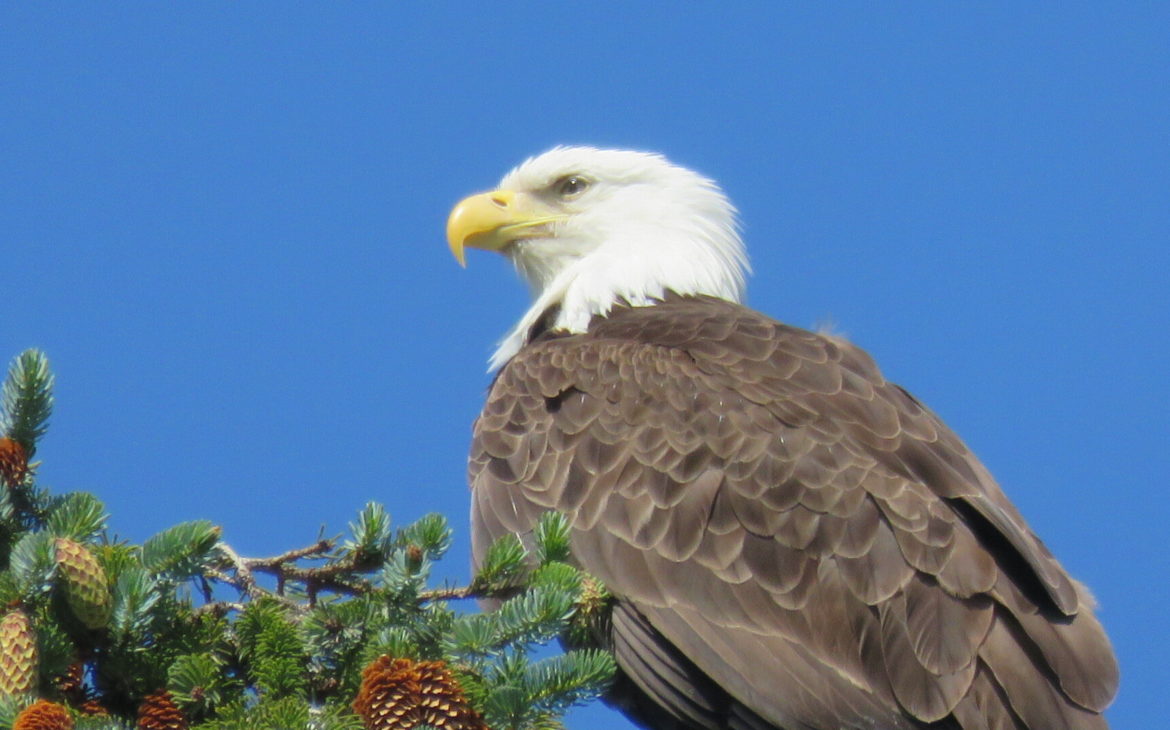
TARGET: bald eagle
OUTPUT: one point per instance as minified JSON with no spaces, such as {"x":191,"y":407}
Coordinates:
{"x":792,"y":541}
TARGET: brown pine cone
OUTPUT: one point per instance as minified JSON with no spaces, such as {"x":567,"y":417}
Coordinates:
{"x":71,"y":684}
{"x":43,"y":715}
{"x":18,"y":654}
{"x":13,"y":462}
{"x":93,"y":707}
{"x":159,"y":712}
{"x":401,"y":694}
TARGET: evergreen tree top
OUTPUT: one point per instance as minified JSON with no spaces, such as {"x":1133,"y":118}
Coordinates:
{"x":341,"y":633}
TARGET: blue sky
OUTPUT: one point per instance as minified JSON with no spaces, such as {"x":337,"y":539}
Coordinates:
{"x":224,"y":223}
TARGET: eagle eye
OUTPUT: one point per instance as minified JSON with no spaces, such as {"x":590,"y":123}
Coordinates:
{"x":570,"y":186}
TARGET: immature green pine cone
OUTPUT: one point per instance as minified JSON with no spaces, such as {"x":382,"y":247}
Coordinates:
{"x":18,"y":654}
{"x":86,"y":587}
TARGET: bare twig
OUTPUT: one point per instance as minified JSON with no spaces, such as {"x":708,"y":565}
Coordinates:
{"x":318,"y":549}
{"x":339,"y":574}
{"x":244,"y":579}
{"x":220,"y":608}
{"x":451,"y":593}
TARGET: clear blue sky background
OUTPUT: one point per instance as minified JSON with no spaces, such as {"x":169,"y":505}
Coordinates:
{"x":224,"y":222}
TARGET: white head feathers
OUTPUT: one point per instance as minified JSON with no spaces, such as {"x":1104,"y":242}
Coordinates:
{"x":631,"y":227}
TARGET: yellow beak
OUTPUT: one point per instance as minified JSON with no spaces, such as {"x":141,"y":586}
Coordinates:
{"x":490,"y":221}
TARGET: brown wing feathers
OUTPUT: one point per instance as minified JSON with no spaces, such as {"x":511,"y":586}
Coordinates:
{"x":795,"y":542}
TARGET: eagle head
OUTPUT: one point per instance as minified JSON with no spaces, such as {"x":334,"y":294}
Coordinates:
{"x":589,"y":228}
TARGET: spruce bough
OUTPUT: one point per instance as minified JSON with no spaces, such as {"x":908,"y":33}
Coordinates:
{"x":183,"y":632}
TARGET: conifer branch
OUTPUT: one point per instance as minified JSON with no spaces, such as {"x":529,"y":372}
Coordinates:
{"x":26,"y":400}
{"x":330,"y":635}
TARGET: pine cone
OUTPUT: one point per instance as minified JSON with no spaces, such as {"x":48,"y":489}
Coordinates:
{"x":159,"y":712}
{"x":43,"y":715}
{"x":401,"y":694}
{"x":71,"y":684}
{"x":93,"y":707}
{"x":13,"y":462}
{"x":18,"y":654}
{"x":86,"y":587}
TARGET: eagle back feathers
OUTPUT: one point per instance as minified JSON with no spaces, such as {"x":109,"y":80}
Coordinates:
{"x":793,"y":541}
